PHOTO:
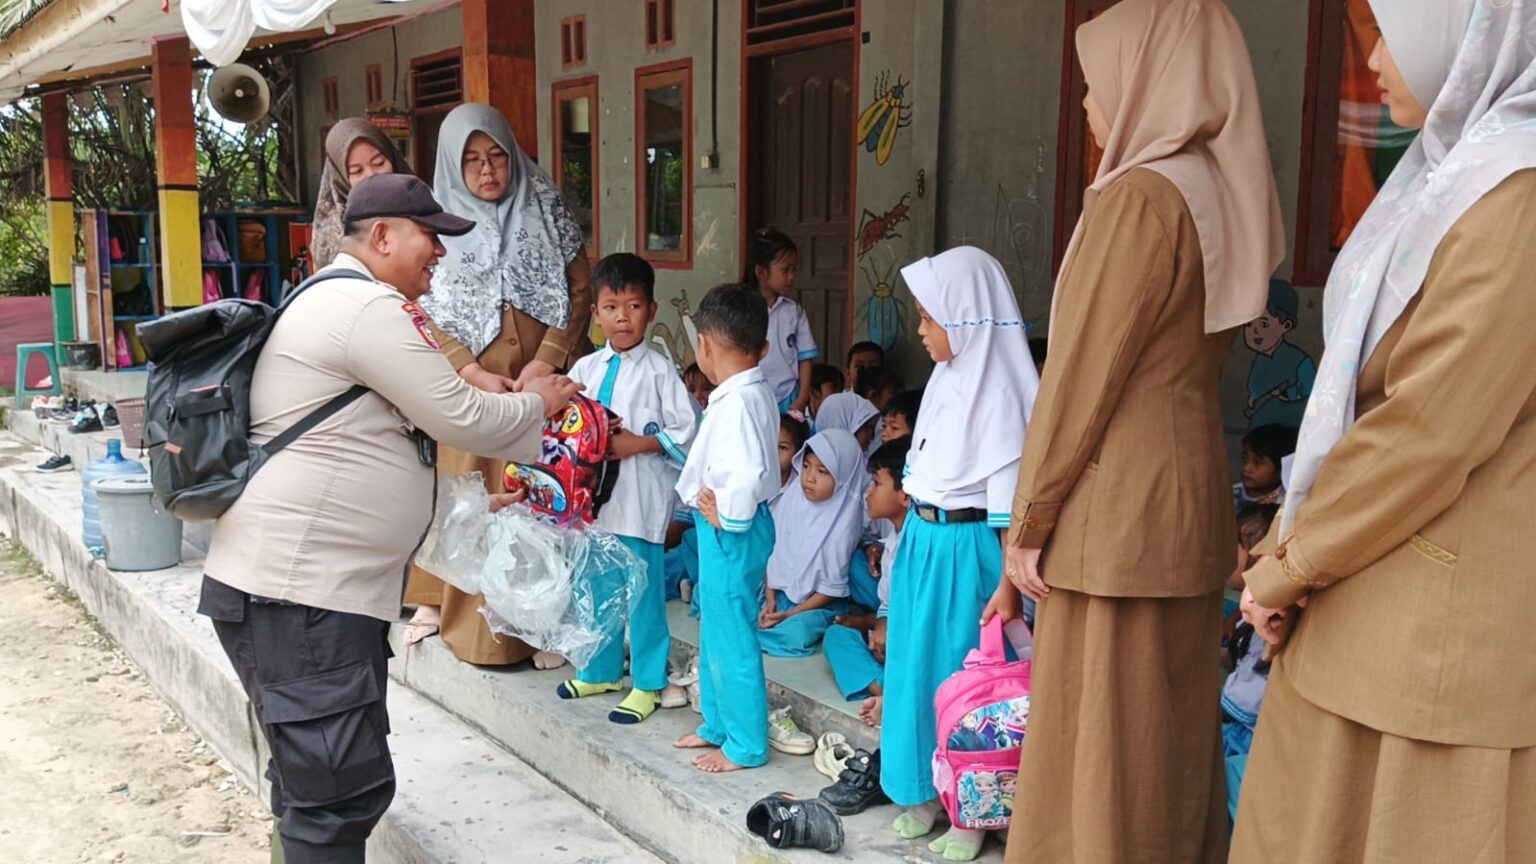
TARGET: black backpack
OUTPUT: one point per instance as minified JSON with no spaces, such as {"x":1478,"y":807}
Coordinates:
{"x":197,"y":408}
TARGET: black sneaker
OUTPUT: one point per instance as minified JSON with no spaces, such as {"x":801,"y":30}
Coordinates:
{"x":109,"y":417}
{"x":88,"y":421}
{"x":788,"y":822}
{"x":56,"y":465}
{"x":858,"y":787}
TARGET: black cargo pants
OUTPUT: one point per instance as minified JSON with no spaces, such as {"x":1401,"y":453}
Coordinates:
{"x":316,"y":679}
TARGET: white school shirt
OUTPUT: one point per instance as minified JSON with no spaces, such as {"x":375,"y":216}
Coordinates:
{"x":889,"y":544}
{"x":736,"y":452}
{"x":789,"y":342}
{"x":993,"y":494}
{"x":648,"y":395}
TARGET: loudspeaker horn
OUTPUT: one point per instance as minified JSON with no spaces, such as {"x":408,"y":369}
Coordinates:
{"x":239,"y":93}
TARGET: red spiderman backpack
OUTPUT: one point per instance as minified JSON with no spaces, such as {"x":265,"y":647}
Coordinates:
{"x":573,"y":477}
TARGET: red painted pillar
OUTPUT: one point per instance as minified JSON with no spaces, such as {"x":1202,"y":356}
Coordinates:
{"x":59,"y":180}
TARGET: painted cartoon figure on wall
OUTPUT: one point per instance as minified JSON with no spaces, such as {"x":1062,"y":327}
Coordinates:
{"x":677,"y":343}
{"x":889,"y":113}
{"x":884,"y":314}
{"x":1280,"y":379}
{"x":875,"y":227}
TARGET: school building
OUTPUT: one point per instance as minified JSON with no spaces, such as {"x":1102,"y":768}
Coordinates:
{"x":871,"y":131}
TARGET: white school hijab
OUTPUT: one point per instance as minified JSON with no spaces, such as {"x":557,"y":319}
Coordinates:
{"x":977,"y":403}
{"x":846,"y":411}
{"x":816,"y":539}
{"x":1473,"y":63}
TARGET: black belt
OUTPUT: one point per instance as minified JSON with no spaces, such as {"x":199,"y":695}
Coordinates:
{"x":930,"y":513}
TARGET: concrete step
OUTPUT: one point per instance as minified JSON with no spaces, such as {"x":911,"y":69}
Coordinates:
{"x":460,"y":797}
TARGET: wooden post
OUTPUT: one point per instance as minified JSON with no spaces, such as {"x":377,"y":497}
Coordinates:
{"x":181,"y":248}
{"x":499,"y":68}
{"x":59,"y":184}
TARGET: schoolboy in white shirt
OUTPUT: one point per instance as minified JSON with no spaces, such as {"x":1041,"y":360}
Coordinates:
{"x":732,"y":471}
{"x":644,"y":390}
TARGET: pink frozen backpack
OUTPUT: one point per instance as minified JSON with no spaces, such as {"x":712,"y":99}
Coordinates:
{"x":982,"y":710}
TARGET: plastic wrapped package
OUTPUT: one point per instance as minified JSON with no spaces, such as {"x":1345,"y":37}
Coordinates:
{"x":455,"y":548}
{"x":565,"y":589}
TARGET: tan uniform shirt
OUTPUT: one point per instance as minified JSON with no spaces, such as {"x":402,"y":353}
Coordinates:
{"x":330,"y":521}
{"x":1123,"y":481}
{"x":1415,"y":542}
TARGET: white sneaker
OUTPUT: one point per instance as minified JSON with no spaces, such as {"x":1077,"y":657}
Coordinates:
{"x":785,"y":737}
{"x":832,"y":753}
{"x":683,"y":690}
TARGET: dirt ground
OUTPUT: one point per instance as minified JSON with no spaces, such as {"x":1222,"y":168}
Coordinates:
{"x":95,"y":767}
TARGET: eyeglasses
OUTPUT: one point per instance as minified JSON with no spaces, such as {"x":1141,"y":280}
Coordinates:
{"x":477,"y":164}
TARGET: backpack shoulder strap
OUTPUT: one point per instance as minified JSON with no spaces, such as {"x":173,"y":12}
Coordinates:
{"x":315,"y":418}
{"x":316,"y":279}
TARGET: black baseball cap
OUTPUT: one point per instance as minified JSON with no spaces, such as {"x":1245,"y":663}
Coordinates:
{"x":402,"y":196}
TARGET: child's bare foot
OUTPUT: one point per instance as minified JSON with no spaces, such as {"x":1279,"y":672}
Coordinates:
{"x":872,"y":709}
{"x":715,"y":763}
{"x":691,"y":741}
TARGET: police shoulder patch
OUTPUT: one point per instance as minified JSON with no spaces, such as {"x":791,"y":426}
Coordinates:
{"x":419,"y":321}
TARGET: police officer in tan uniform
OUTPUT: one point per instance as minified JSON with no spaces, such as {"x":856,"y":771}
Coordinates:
{"x":306,"y":569}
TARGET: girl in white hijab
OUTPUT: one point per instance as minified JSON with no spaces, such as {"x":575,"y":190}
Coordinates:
{"x":1397,"y":723}
{"x":961,"y":472}
{"x":851,"y":413}
{"x":818,"y":528}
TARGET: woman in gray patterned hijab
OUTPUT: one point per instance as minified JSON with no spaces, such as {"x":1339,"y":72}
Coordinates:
{"x":511,"y":301}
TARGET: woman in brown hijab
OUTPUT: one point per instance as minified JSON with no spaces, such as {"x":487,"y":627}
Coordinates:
{"x":510,"y":301}
{"x":354,"y":149}
{"x":1122,"y":521}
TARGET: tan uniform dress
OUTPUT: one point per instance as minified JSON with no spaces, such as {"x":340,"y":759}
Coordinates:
{"x":1401,"y":715}
{"x":1124,"y":484}
{"x":522,"y":339}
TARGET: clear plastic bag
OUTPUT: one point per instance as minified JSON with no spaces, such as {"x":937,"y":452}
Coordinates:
{"x":565,"y":589}
{"x":455,"y":548}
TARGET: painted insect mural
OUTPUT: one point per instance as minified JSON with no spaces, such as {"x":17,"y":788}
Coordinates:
{"x":884,"y":314}
{"x":878,"y":125}
{"x":677,"y":346}
{"x":875,"y":227}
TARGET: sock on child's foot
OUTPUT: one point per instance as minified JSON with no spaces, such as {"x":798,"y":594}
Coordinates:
{"x":577,"y":689}
{"x":914,"y":822}
{"x":637,"y":706}
{"x":959,"y":844}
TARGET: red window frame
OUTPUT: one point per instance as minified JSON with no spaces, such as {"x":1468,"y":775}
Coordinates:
{"x":561,"y":92}
{"x":332,"y":97}
{"x":373,"y":82}
{"x":573,"y":41}
{"x":660,"y":24}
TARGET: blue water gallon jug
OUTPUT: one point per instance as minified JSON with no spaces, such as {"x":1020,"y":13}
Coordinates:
{"x":114,"y":465}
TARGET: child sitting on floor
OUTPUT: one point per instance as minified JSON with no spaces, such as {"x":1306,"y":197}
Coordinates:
{"x":793,"y":433}
{"x":643,"y":390}
{"x":1259,"y":496}
{"x":851,"y":413}
{"x":698,"y":385}
{"x":728,"y":479}
{"x":825,"y":381}
{"x":878,"y":386}
{"x":863,"y":355}
{"x":820,"y":520}
{"x":900,"y":415}
{"x":855,"y":644}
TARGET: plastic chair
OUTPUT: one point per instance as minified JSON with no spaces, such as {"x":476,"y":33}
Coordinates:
{"x":24,"y":353}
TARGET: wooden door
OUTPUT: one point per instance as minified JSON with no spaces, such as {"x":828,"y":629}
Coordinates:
{"x":801,"y":130}
{"x":1077,"y":156}
{"x":98,"y":285}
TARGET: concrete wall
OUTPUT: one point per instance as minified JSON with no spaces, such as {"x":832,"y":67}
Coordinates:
{"x":347,"y":61}
{"x":615,"y":49}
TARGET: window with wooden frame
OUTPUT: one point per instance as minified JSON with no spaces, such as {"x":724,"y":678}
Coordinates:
{"x":332,"y":98}
{"x":573,"y":41}
{"x":1349,"y":143}
{"x":437,"y":87}
{"x":373,"y":82}
{"x":1077,"y":155}
{"x":783,"y":20}
{"x":664,"y":163}
{"x":575,"y":168}
{"x":660,"y":23}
